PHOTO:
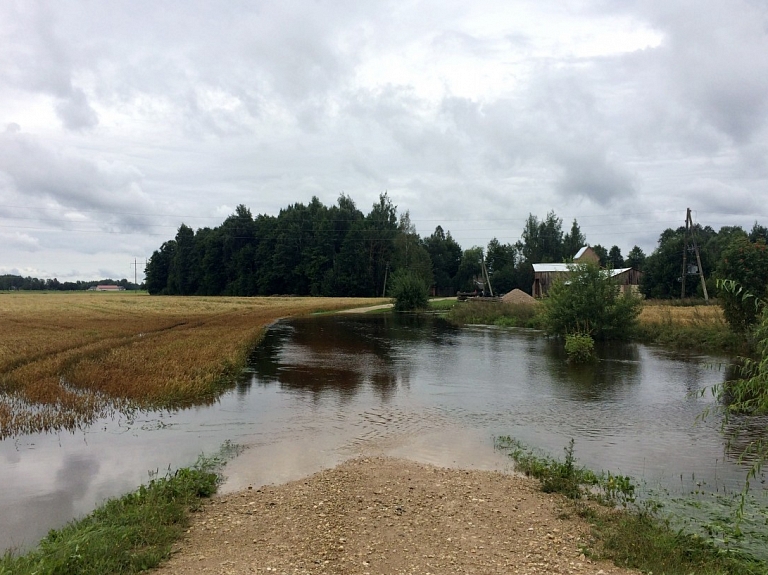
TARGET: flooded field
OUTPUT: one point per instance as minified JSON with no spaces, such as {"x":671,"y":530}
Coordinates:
{"x":323,"y":389}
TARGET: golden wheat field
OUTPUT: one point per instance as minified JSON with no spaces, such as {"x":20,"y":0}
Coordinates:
{"x":67,"y":358}
{"x":695,"y":315}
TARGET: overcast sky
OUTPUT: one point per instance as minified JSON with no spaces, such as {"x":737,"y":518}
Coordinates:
{"x":119,"y":120}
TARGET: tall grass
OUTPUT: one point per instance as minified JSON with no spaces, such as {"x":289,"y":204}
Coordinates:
{"x":630,"y":532}
{"x":700,"y":327}
{"x":66,"y":359}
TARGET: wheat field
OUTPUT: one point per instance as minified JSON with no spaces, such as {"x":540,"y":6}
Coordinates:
{"x":68,"y":358}
{"x":661,"y":312}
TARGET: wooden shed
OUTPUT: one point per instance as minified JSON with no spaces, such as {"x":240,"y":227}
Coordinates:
{"x":544,"y":275}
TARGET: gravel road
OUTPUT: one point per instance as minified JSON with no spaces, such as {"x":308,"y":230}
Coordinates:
{"x":384,"y":515}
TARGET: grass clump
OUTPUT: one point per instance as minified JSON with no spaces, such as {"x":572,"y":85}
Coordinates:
{"x":630,"y":532}
{"x":126,"y":535}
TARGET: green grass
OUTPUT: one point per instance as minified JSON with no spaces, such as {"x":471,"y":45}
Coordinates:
{"x":633,"y":532}
{"x":129,"y":534}
{"x":495,"y":313}
{"x":442,"y":305}
{"x":713,"y":339}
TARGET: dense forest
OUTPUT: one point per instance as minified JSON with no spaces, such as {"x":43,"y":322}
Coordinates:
{"x":318,"y":250}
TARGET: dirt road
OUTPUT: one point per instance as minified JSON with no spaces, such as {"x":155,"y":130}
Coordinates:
{"x":388,"y":516}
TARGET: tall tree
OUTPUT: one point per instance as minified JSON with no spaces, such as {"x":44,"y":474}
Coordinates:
{"x":501,"y":260}
{"x":602,"y":253}
{"x":615,"y":259}
{"x":158,"y":268}
{"x":410,"y":254}
{"x":183,"y":273}
{"x":635,"y":258}
{"x":445,"y":254}
{"x":469,"y":269}
{"x":573,"y":241}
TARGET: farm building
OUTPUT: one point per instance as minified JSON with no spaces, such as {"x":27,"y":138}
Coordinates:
{"x":544,"y":275}
{"x":107,"y":287}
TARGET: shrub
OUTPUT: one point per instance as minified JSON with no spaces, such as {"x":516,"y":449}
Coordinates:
{"x":409,"y":291}
{"x":746,"y":264}
{"x":580,"y":347}
{"x":589,"y":302}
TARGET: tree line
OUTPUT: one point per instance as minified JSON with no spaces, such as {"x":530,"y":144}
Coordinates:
{"x":10,"y":282}
{"x":319,"y":250}
{"x":338,"y":250}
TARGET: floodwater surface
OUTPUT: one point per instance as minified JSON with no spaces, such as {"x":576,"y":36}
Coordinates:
{"x":320,"y":390}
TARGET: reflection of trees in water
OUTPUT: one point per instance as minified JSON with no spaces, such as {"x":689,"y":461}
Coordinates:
{"x":338,"y":354}
{"x":742,"y":432}
{"x":618,"y":365}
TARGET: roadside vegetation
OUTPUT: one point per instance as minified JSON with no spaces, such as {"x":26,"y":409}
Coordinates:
{"x":632,"y":529}
{"x":68,"y":358}
{"x":126,"y":535}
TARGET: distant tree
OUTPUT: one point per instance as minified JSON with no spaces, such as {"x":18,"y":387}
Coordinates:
{"x":663,"y":268}
{"x":551,"y":239}
{"x":602,"y":253}
{"x":635,"y":258}
{"x":758,"y":232}
{"x":158,"y":268}
{"x":409,"y":253}
{"x":745,"y":263}
{"x":573,"y":241}
{"x":500,"y":261}
{"x":469,"y":269}
{"x":615,"y":259}
{"x":182,"y":275}
{"x":445,"y":254}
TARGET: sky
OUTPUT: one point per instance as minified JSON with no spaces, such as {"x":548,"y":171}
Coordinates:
{"x":120,"y":120}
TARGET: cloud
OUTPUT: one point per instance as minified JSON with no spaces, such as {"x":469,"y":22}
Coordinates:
{"x":20,"y":241}
{"x":33,"y":170}
{"x":75,"y":112}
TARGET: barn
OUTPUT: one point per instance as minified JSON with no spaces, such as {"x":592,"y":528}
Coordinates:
{"x":544,"y":275}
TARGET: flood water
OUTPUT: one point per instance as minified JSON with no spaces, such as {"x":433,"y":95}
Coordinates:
{"x":320,"y":390}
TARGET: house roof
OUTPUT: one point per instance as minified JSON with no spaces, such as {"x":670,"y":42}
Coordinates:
{"x":568,"y":267}
{"x":580,"y":252}
{"x":552,"y":267}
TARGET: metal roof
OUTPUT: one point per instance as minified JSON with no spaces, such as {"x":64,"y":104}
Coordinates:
{"x":569,"y":267}
{"x":580,"y":252}
{"x":552,"y":267}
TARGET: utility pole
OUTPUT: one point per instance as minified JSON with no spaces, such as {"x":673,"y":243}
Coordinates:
{"x":135,"y":265}
{"x":386,"y":272}
{"x":690,"y":238}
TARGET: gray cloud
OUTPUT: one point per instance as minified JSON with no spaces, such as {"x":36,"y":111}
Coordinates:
{"x":137,"y":117}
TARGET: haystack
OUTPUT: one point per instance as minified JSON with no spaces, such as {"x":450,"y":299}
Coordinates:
{"x":517,"y":296}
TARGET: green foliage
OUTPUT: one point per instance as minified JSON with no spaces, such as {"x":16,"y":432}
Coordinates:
{"x":126,"y":535}
{"x":580,"y":347}
{"x":743,"y":273}
{"x":590,"y":303}
{"x":409,"y":291}
{"x":445,"y":254}
{"x":555,"y":476}
{"x":635,"y":259}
